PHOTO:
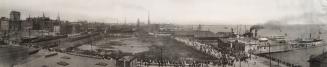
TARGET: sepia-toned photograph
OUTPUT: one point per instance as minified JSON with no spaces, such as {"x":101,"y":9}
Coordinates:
{"x":163,"y":33}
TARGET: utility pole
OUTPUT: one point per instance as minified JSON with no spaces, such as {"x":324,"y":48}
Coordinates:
{"x":269,"y":54}
{"x":91,"y":44}
{"x":161,"y":58}
{"x":239,"y":58}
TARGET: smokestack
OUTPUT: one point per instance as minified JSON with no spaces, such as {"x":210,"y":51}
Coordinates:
{"x":138,"y":22}
{"x":255,"y":28}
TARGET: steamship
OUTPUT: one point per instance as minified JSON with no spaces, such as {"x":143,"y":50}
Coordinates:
{"x":307,"y":42}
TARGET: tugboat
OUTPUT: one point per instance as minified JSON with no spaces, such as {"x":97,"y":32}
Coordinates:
{"x":33,"y":51}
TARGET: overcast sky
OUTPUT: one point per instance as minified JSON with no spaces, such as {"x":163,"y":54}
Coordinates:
{"x":166,"y":11}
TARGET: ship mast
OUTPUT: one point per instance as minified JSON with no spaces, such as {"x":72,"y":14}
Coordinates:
{"x":319,"y":32}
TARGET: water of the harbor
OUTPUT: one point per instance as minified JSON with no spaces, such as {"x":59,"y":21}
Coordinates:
{"x":298,"y":56}
{"x":11,"y":55}
{"x":126,"y":45}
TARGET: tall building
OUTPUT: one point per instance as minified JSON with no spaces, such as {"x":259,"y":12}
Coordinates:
{"x":4,"y":24}
{"x":14,"y":15}
{"x":44,"y":23}
{"x":27,"y":24}
{"x":14,"y":21}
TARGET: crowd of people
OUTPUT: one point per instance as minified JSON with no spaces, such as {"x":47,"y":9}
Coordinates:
{"x":225,"y":56}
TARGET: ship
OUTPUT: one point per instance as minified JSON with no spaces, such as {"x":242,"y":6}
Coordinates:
{"x":279,"y":43}
{"x":33,"y":51}
{"x":307,"y":42}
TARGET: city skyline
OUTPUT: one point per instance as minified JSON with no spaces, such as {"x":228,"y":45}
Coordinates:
{"x":163,"y":33}
{"x":169,"y":11}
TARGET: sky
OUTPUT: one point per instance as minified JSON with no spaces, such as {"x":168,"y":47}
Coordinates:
{"x":167,"y":11}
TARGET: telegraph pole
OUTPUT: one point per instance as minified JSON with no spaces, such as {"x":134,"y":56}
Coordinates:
{"x":269,"y":54}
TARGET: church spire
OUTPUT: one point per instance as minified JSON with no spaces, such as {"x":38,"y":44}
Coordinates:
{"x":199,"y":27}
{"x":43,"y":15}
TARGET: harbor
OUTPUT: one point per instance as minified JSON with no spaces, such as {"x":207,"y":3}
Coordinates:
{"x":163,"y":33}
